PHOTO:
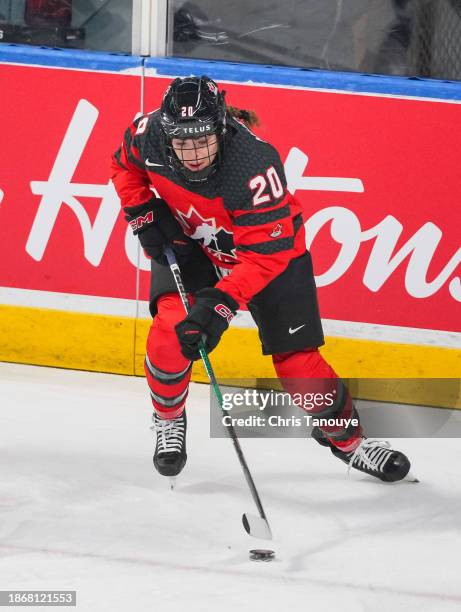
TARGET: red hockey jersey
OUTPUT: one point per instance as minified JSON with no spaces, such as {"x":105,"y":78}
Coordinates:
{"x":243,"y":216}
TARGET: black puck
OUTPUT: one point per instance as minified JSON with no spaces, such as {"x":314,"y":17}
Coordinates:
{"x":260,"y":554}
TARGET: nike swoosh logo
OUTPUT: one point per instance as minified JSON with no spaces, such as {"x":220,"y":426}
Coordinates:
{"x":293,"y":331}
{"x":148,"y":163}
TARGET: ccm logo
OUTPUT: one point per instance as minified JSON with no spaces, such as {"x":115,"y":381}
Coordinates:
{"x":140,"y":221}
{"x":224,"y":312}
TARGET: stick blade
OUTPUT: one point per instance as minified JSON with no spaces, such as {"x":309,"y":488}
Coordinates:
{"x":256,"y":526}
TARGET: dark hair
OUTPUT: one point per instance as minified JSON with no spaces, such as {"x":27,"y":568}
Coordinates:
{"x":249,"y":118}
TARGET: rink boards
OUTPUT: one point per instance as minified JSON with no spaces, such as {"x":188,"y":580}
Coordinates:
{"x":373,"y":160}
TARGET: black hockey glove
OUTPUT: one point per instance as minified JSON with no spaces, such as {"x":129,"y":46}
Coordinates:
{"x":156,"y":227}
{"x":207,"y":320}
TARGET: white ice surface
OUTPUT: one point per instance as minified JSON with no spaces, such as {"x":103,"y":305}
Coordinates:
{"x":81,"y":508}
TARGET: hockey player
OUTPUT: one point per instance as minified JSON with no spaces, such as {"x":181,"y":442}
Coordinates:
{"x":239,"y":239}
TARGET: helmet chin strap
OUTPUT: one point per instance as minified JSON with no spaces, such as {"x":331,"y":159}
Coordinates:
{"x":197,"y":176}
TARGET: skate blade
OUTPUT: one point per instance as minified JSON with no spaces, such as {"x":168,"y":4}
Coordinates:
{"x":257,"y":526}
{"x":172,"y":482}
{"x":411,"y":477}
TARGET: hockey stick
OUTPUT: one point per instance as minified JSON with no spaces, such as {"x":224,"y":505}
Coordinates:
{"x":254,"y":525}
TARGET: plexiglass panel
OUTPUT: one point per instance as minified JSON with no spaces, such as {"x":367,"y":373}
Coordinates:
{"x":400,"y":37}
{"x":103,"y":25}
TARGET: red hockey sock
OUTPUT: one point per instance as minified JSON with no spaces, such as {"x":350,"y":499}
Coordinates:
{"x":167,"y":370}
{"x":306,"y":371}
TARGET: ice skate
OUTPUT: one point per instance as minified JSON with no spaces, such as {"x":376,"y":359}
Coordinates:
{"x":373,"y":457}
{"x":170,"y":450}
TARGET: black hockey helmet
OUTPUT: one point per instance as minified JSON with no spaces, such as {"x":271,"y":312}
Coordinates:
{"x":193,"y":107}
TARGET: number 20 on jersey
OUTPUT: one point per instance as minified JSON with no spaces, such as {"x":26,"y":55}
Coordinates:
{"x":266,"y":187}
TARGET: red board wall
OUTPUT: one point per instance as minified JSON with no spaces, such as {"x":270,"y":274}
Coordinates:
{"x":60,"y":126}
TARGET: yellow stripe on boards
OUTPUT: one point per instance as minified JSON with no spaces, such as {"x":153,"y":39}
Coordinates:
{"x":238,"y":356}
{"x":100,"y":343}
{"x":116,"y":344}
{"x":357,"y":358}
{"x":367,"y":359}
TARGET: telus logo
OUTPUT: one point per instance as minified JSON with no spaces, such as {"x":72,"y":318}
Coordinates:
{"x":197,"y":130}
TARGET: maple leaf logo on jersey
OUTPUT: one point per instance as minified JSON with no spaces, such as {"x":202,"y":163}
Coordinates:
{"x":214,"y":238}
{"x":276,"y":230}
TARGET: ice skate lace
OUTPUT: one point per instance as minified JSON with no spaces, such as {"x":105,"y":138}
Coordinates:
{"x":371,"y":454}
{"x":170,"y":434}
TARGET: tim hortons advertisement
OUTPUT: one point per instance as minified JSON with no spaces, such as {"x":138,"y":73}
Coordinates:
{"x":378,"y":179}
